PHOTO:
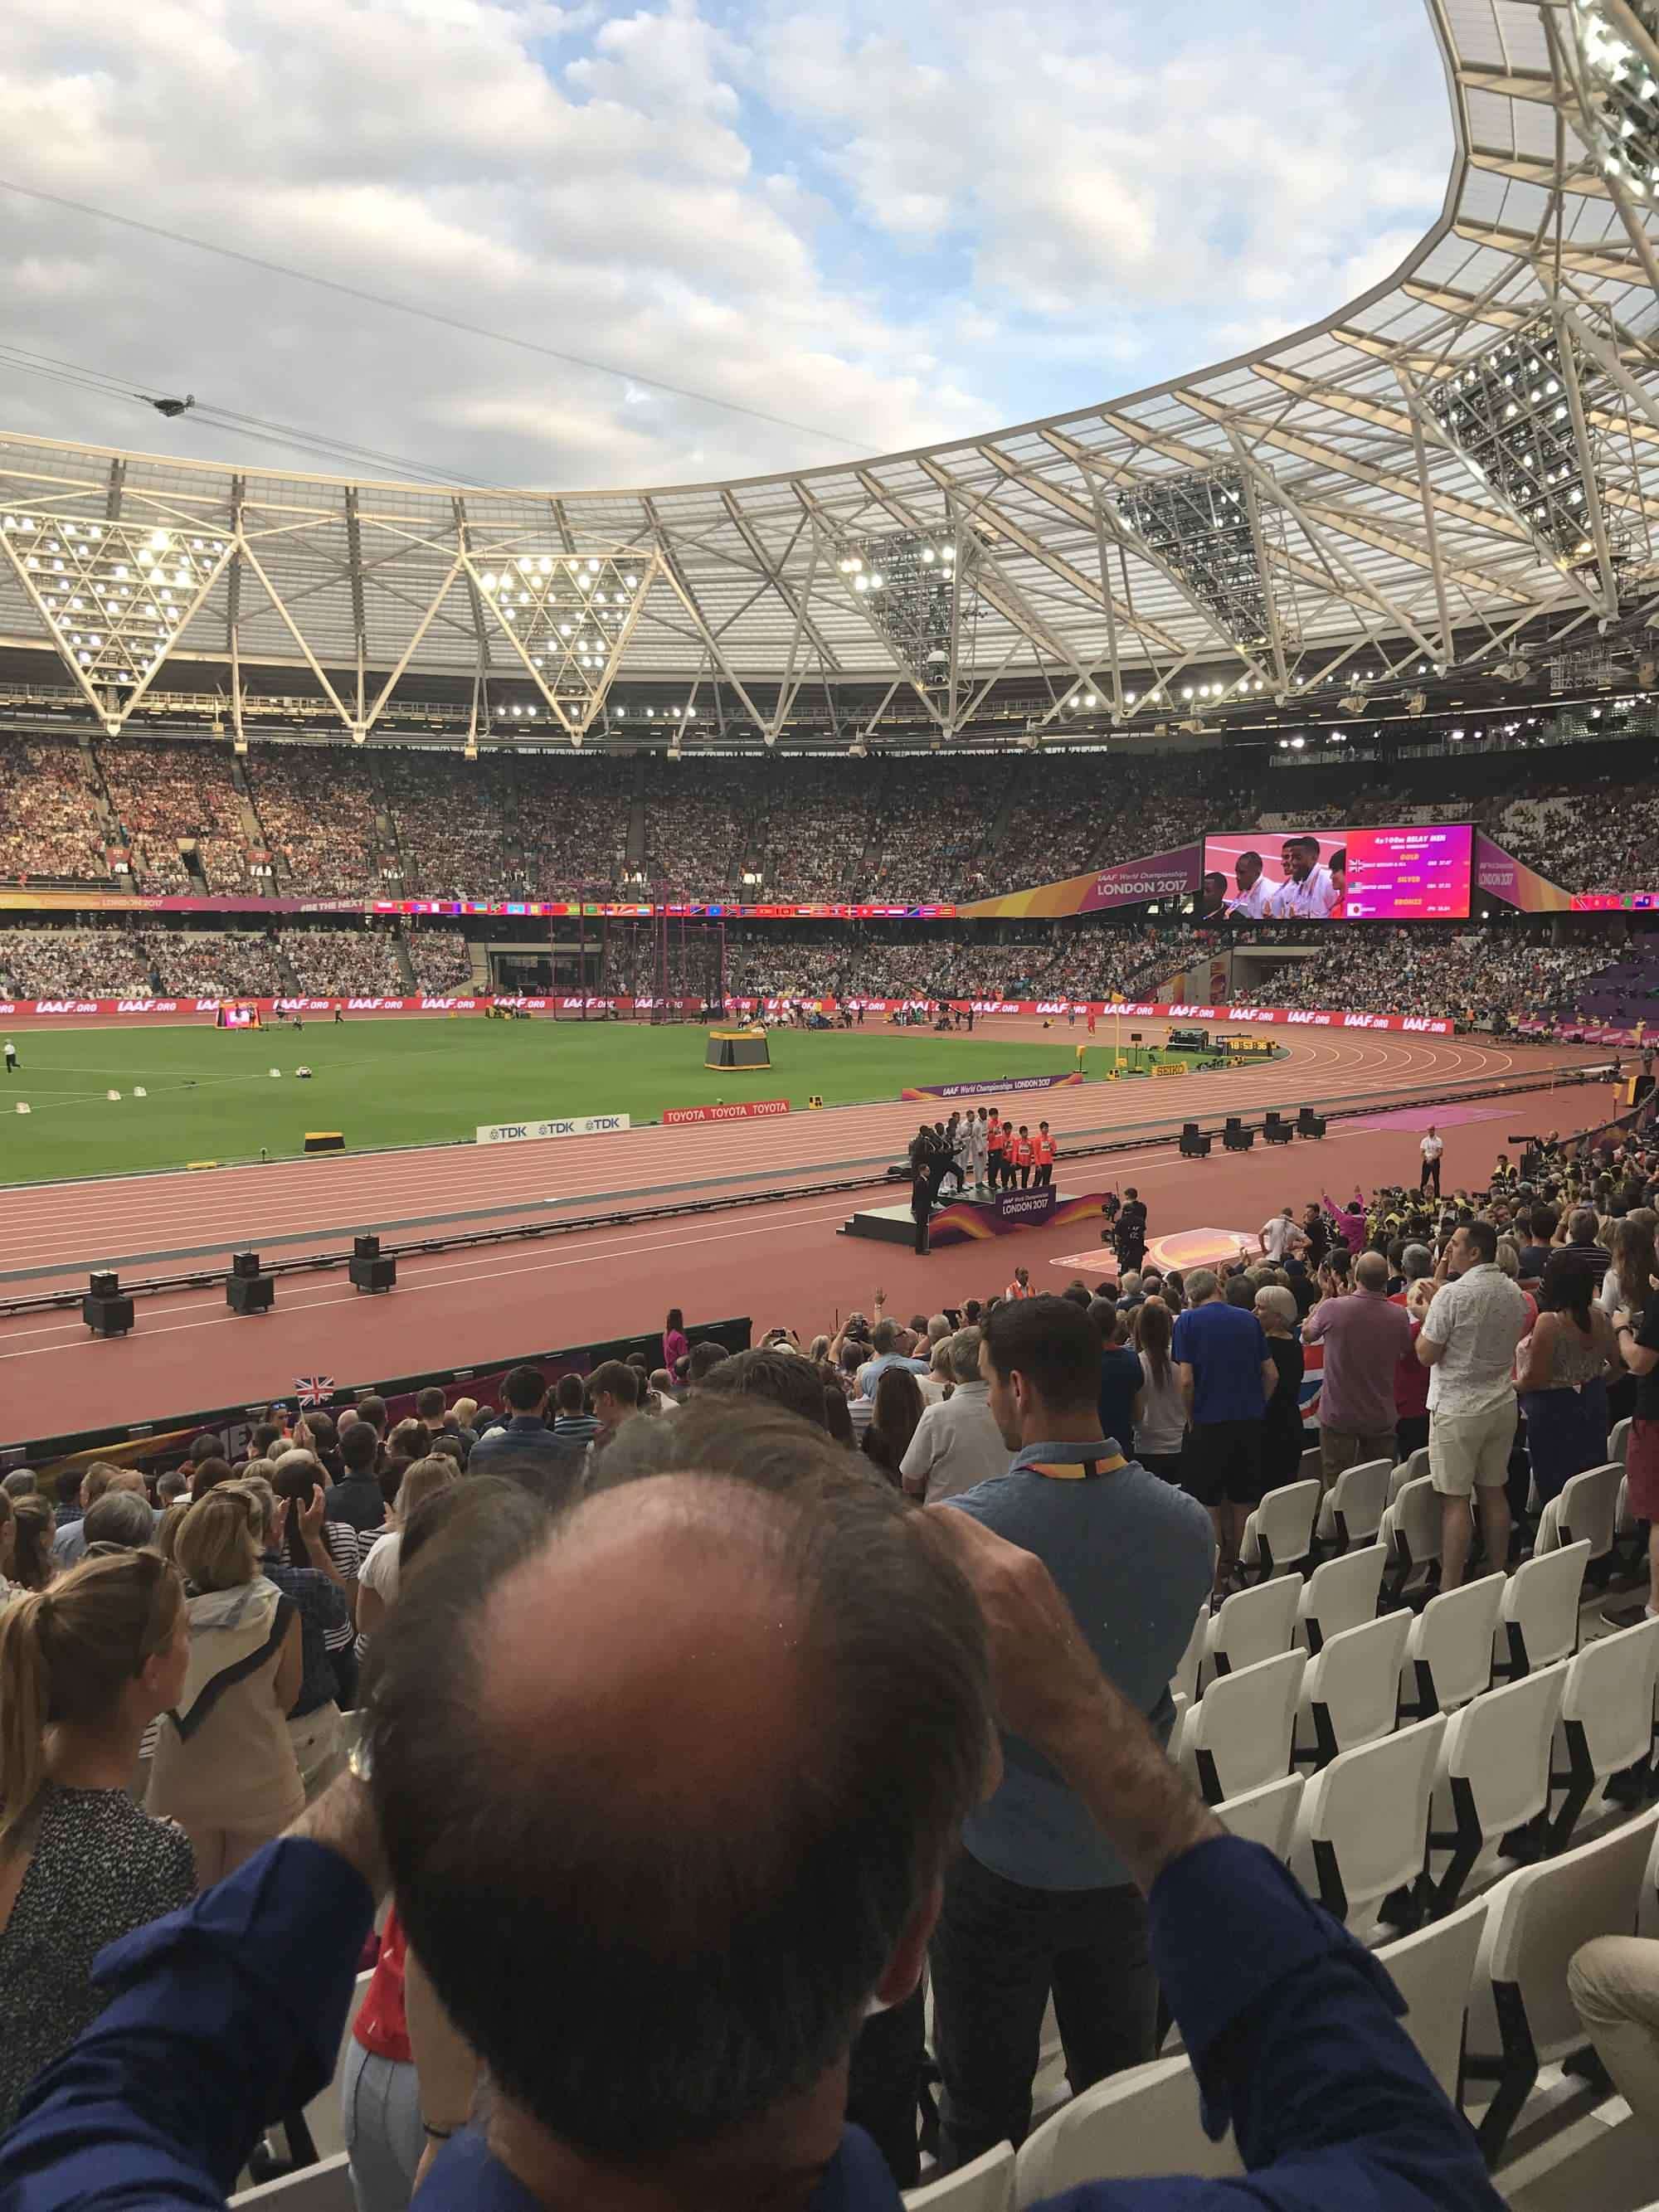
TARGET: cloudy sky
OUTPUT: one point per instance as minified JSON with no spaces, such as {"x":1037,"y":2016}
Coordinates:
{"x":879,"y":225}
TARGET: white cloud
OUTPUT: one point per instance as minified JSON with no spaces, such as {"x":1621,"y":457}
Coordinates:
{"x":898,"y":225}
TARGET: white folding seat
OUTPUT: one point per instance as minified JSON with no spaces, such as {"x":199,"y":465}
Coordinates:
{"x":1178,"y":1698}
{"x":1448,"y":1650}
{"x":1250,"y":1625}
{"x":1143,"y":2121}
{"x":1606,"y":1722}
{"x":1340,"y":1593}
{"x":1619,"y":1441}
{"x":1413,"y":1469}
{"x":1432,"y":1971}
{"x":1493,"y":1776}
{"x":1238,"y":1735}
{"x":1184,"y":1681}
{"x":325,"y":2187}
{"x":1266,"y":1816}
{"x":1411,"y":1533}
{"x":1538,"y":1617}
{"x":1588,"y":1507}
{"x":1350,"y":1694}
{"x":1279,"y":1534}
{"x":1363,"y":1823}
{"x":985,"y":2185}
{"x":1350,"y":1512}
{"x":1521,"y":2010}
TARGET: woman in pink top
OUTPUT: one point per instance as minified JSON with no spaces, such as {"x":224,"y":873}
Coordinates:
{"x":676,"y":1344}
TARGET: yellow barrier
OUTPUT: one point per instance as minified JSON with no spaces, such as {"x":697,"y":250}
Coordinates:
{"x":1171,"y":1067}
{"x":203,"y":1164}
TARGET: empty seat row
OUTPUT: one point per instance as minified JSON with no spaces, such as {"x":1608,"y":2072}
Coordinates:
{"x":1388,"y":1808}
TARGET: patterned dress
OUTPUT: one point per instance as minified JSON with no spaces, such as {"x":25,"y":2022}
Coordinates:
{"x":100,"y":1868}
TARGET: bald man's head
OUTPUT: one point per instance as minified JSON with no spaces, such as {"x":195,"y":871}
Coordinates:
{"x":663,"y":1783}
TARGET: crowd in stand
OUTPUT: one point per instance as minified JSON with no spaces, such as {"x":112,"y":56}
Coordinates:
{"x":1476,"y":976}
{"x":440,"y":958}
{"x":344,"y":963}
{"x":1601,"y":840}
{"x":317,"y":805}
{"x":49,"y":822}
{"x":108,"y":962}
{"x":1087,"y":810}
{"x":662,"y":1674}
{"x":210,"y":965}
{"x":1472,"y":974}
{"x":911,"y":829}
{"x":697,"y":831}
{"x":162,"y":792}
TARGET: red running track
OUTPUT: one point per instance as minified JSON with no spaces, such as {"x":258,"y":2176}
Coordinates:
{"x":779,"y":1263}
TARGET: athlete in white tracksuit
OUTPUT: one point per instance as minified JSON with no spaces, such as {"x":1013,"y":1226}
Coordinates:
{"x":978,"y":1148}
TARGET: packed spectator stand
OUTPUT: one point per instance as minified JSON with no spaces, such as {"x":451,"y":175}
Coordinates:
{"x":343,"y":821}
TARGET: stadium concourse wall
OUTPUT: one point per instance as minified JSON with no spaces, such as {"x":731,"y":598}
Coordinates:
{"x":169,"y":1009}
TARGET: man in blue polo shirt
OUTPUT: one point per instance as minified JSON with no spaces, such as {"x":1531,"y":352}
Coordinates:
{"x":1226,"y":1375}
{"x":1036,"y":1899}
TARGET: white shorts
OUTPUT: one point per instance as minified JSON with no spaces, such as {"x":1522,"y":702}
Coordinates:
{"x":1471,"y":1451}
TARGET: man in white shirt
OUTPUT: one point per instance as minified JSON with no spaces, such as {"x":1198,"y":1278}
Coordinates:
{"x":1468,"y":1340}
{"x":1281,"y":1235}
{"x":1254,"y":889}
{"x":1431,"y":1147}
{"x":957,"y":1444}
{"x":1307,"y":893}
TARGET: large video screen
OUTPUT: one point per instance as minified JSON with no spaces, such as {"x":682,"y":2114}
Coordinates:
{"x":1415,"y":873}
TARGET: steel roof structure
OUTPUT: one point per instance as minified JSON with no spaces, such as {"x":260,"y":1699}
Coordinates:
{"x":1456,"y":476}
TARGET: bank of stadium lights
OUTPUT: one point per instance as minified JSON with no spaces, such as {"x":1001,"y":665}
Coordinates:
{"x":1508,"y":415}
{"x":1620,"y":118}
{"x":1197,"y":523}
{"x":567,"y":612}
{"x":114,"y":596}
{"x":906,"y":584}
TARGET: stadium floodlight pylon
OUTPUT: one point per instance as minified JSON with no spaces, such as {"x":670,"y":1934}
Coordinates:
{"x":568,"y":617}
{"x":1510,"y":414}
{"x":114,"y":597}
{"x":916,"y":589}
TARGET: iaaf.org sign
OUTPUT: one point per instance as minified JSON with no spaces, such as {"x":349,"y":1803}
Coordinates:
{"x":527,"y":1132}
{"x":147,"y":1006}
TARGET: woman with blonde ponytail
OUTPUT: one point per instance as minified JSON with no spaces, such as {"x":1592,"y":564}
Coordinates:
{"x":84,"y":1667}
{"x":224,"y":1766}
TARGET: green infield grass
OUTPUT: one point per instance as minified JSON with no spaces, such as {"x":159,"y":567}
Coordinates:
{"x":211,"y":1095}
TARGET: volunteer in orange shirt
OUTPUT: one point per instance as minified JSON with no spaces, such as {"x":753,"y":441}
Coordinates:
{"x":1024,"y":1153}
{"x":996,"y":1145}
{"x":1021,"y":1285}
{"x":1042,"y":1152}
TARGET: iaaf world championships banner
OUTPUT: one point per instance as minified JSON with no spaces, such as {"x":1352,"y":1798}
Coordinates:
{"x":172,"y":1009}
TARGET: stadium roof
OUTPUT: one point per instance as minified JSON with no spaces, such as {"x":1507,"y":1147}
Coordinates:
{"x":1454,"y":474}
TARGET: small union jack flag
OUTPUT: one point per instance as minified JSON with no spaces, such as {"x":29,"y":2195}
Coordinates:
{"x":313,"y":1389}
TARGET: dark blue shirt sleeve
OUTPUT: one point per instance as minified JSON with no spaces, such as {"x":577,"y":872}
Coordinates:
{"x":221,"y":2019}
{"x":1294,"y":2034}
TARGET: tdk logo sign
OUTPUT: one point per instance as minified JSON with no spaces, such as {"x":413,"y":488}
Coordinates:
{"x":523,"y":1133}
